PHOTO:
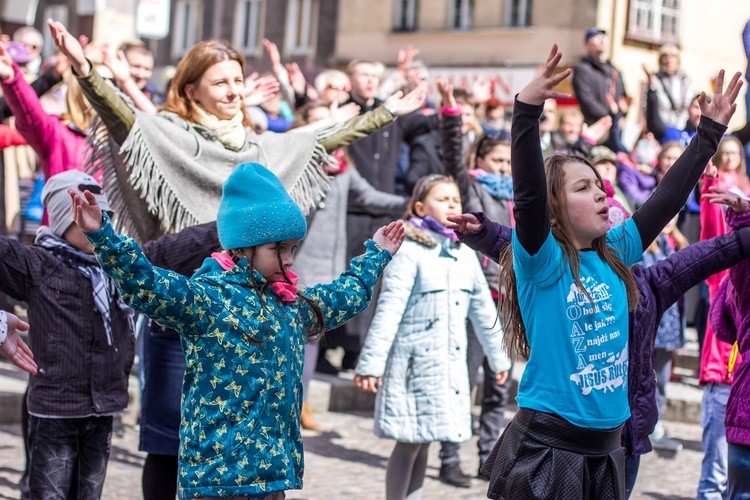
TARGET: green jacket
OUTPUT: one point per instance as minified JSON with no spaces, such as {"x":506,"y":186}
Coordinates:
{"x":242,"y":391}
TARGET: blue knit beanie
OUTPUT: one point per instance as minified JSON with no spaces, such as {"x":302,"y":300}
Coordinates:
{"x":255,"y":209}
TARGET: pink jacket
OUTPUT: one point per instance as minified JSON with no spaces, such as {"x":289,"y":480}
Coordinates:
{"x":715,"y":354}
{"x":731,"y":322}
{"x":58,"y":146}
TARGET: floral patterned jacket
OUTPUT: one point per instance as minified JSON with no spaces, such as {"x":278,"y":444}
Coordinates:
{"x":242,"y":391}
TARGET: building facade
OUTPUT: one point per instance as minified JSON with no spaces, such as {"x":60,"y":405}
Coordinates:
{"x":511,"y":38}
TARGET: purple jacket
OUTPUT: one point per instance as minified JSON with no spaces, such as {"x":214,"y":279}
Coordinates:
{"x":731,"y":323}
{"x":660,"y":286}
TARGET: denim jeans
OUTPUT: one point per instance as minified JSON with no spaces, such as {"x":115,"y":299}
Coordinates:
{"x":632,"y":464}
{"x":68,"y":457}
{"x":163,"y":370}
{"x":738,"y":485}
{"x":713,"y":481}
{"x":494,"y":400}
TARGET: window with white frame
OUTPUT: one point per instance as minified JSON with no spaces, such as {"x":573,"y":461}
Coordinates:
{"x":406,"y":15}
{"x":517,"y":13}
{"x":655,"y":20}
{"x":187,"y":26}
{"x":301,"y":26}
{"x":460,"y":14}
{"x":247,"y":25}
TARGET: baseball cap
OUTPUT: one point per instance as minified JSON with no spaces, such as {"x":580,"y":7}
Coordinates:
{"x":592,"y":32}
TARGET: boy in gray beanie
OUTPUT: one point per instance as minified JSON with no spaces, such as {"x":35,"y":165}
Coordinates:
{"x":81,"y":334}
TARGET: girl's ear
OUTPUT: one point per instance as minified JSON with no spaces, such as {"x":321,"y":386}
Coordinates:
{"x":480,"y":163}
{"x":419,"y":209}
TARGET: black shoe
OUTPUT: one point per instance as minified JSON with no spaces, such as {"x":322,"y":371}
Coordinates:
{"x":479,"y":471}
{"x":453,"y":475}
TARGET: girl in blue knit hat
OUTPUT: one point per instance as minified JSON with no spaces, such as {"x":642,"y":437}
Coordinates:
{"x":243,"y":327}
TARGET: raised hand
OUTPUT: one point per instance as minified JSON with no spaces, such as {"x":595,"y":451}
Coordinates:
{"x":724,"y":197}
{"x":464,"y":223}
{"x":14,"y":349}
{"x":118,"y":64}
{"x":445,"y":88}
{"x":70,"y":46}
{"x":405,"y":104}
{"x":650,"y":76}
{"x":296,"y":78}
{"x":259,"y":90}
{"x":86,"y":212}
{"x":597,"y":130}
{"x":406,"y":57}
{"x":481,"y":90}
{"x":721,"y":107}
{"x":273,"y":54}
{"x":542,"y":86}
{"x":366,"y":383}
{"x":390,"y":237}
{"x":345,"y":112}
{"x":6,"y":64}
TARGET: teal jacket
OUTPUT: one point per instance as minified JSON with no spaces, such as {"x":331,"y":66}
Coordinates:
{"x":242,"y":391}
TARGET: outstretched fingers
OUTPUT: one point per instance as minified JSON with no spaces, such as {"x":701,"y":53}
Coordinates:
{"x":733,"y":89}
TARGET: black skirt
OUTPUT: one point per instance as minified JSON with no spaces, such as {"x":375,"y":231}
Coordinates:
{"x":541,"y":455}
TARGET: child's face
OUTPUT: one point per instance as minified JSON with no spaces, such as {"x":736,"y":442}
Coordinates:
{"x":468,"y":116}
{"x":74,"y":235}
{"x":731,"y":155}
{"x":668,"y":158}
{"x":607,"y":170}
{"x":266,"y":260}
{"x":497,"y":161}
{"x":586,"y":203}
{"x":442,"y":200}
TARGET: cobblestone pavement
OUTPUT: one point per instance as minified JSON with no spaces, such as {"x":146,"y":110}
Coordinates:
{"x":347,"y":462}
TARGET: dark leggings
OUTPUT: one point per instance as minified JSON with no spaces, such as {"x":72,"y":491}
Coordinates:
{"x":156,"y":471}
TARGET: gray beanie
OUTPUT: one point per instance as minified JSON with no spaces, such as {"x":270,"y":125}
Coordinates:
{"x":56,"y":199}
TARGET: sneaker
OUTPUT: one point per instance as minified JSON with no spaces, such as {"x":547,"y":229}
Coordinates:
{"x":666,"y":444}
{"x":453,"y":475}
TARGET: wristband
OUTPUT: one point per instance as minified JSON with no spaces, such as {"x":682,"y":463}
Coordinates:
{"x":3,"y":326}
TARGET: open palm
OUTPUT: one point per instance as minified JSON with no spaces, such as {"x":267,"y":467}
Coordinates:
{"x":542,"y":86}
{"x":722,"y":106}
{"x":86,"y":212}
{"x":70,"y":46}
{"x":390,"y":237}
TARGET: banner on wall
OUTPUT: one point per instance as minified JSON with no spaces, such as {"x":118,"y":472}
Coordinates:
{"x":20,"y":11}
{"x":152,"y":19}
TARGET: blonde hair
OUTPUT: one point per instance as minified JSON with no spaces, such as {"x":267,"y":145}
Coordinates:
{"x":79,"y":112}
{"x":514,"y":328}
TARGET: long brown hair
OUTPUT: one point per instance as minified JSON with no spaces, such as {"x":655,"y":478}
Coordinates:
{"x":514,"y":328}
{"x":190,"y":70}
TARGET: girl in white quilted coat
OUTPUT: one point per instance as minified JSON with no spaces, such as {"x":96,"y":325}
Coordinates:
{"x":414,"y":356}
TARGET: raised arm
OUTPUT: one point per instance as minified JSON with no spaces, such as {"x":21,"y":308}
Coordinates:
{"x":367,"y":123}
{"x":32,"y":122}
{"x":351,"y":292}
{"x":41,"y":85}
{"x":527,"y":164}
{"x":165,"y":296}
{"x":117,"y":116}
{"x":451,"y":145}
{"x":672,"y":192}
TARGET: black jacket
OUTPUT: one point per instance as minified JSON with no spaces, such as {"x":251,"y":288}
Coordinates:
{"x":79,"y":373}
{"x":592,"y":80}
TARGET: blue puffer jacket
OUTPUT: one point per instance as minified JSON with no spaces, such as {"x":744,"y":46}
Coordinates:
{"x":660,"y":286}
{"x":242,"y":391}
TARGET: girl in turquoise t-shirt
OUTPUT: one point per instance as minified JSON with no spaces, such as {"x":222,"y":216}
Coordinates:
{"x":568,"y":293}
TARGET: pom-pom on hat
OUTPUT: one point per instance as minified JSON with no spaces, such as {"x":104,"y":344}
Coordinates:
{"x":255,"y":209}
